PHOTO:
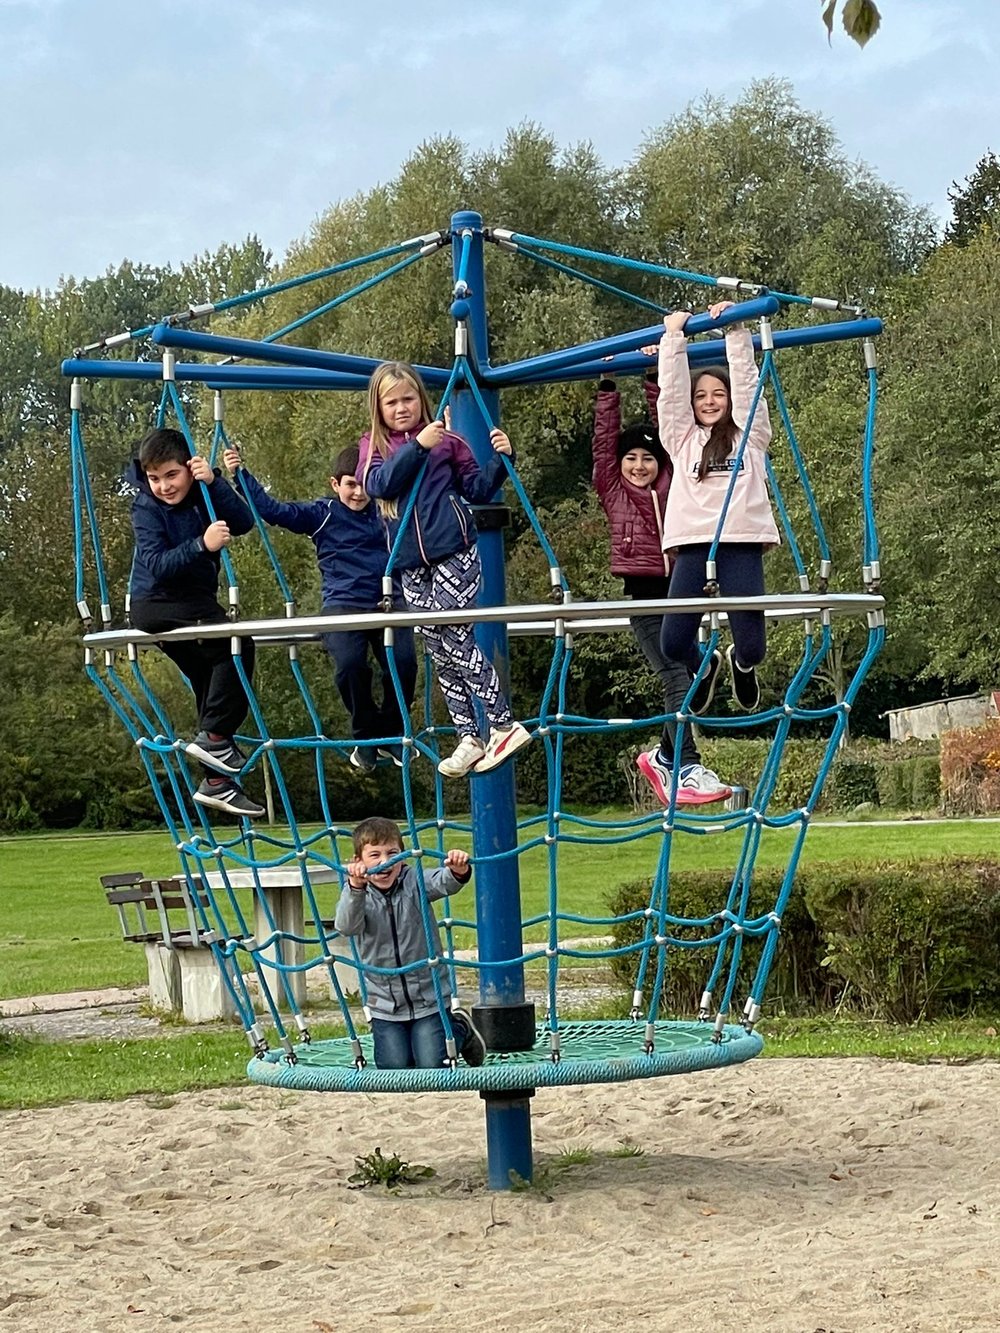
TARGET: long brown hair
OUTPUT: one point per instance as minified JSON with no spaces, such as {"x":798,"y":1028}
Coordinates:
{"x":725,"y":432}
{"x":389,"y":373}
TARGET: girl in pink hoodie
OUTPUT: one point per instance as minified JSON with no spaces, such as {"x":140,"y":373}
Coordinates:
{"x":702,"y":417}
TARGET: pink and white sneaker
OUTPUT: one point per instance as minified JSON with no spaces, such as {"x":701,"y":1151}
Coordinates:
{"x":696,"y":784}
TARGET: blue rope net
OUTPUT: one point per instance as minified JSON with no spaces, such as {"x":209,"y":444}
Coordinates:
{"x":264,"y":894}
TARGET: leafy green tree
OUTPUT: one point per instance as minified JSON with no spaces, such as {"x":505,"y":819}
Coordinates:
{"x":976,"y":203}
{"x":939,"y":469}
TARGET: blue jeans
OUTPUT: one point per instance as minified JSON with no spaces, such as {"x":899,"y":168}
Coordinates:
{"x":417,"y":1043}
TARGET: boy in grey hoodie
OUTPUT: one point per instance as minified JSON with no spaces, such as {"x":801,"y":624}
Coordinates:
{"x":385,"y":907}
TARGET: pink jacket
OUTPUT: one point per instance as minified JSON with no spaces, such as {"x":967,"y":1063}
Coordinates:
{"x":693,"y":506}
{"x":635,"y":514}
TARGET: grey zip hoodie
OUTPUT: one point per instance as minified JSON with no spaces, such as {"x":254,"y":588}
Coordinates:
{"x":389,"y":927}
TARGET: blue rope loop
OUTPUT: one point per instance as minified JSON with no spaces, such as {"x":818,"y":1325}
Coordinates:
{"x":265,"y":960}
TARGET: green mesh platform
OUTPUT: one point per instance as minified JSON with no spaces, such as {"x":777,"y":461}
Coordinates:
{"x":610,"y":1052}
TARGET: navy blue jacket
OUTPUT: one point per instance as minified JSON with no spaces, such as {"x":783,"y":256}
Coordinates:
{"x":171,"y":563}
{"x":447,"y":476}
{"x":351,"y":545}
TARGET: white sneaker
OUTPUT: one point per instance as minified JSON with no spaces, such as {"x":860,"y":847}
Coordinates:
{"x":466,"y":756}
{"x":503,"y":744}
{"x":698,"y":785}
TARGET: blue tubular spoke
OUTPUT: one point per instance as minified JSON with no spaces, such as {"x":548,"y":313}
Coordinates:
{"x":591,"y":281}
{"x":504,"y":237}
{"x":325,"y":309}
{"x":342,"y":369}
{"x":263,"y":293}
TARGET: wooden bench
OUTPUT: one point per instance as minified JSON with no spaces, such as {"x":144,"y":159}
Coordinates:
{"x":162,"y":915}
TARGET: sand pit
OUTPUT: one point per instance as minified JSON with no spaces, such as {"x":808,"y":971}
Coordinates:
{"x":833,"y":1195}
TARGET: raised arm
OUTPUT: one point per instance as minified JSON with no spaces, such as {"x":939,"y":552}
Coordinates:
{"x":743,"y":377}
{"x":349,"y":918}
{"x":388,"y":478}
{"x":674,"y":413}
{"x":479,"y":484}
{"x":448,"y":878}
{"x":651,"y":391}
{"x":607,"y":427}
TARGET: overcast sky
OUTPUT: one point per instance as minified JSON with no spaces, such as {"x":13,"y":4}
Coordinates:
{"x":157,"y":129}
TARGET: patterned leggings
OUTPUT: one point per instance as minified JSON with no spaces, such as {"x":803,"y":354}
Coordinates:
{"x":464,"y":673}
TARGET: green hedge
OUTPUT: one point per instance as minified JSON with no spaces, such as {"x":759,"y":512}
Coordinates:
{"x":798,"y":978}
{"x":899,"y":940}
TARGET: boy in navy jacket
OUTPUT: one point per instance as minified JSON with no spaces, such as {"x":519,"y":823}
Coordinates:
{"x":352,"y":550}
{"x":174,"y":585}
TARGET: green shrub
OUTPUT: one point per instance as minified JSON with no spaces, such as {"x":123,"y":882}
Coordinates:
{"x":909,"y":784}
{"x":853,"y":782}
{"x":592,"y":772}
{"x":798,"y":981}
{"x":912,"y":938}
{"x":899,"y":940}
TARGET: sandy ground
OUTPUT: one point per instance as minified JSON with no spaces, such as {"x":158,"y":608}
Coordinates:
{"x":820,"y":1196}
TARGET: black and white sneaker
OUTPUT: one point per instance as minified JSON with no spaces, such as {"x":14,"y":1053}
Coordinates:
{"x":363,"y":757}
{"x":393,"y":752}
{"x":229,"y":797}
{"x":705,"y":692}
{"x":746,"y":687}
{"x":224,"y":755}
{"x":471,"y":1044}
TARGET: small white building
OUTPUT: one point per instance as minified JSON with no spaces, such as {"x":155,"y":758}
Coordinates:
{"x":924,"y":722}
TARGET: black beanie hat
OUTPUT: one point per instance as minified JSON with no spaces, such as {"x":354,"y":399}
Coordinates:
{"x":641,"y":435}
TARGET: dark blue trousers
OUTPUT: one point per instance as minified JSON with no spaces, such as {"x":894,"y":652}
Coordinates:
{"x":353,"y":673}
{"x":740,"y":572}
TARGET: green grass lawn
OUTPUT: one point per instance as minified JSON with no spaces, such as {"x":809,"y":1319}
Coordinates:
{"x":57,"y":932}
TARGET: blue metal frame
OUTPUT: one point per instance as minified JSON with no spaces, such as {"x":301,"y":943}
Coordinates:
{"x":494,"y":806}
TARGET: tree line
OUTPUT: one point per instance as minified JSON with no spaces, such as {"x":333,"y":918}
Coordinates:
{"x":759,"y":187}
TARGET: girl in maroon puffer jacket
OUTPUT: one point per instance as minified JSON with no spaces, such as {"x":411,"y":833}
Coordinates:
{"x":632,"y":477}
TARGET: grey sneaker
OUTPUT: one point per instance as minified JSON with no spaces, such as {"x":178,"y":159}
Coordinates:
{"x":698,"y":785}
{"x":471,"y":1045}
{"x":363,"y":757}
{"x":229,"y":797}
{"x":225,"y":756}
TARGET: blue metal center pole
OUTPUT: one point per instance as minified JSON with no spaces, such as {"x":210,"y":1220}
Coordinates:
{"x":509,"y":1023}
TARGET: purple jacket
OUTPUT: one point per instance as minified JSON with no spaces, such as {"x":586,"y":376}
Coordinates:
{"x":635,"y":514}
{"x":448,"y":480}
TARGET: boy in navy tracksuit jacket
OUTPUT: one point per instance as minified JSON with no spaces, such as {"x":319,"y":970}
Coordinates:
{"x":352,"y":550}
{"x":174,"y":585}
